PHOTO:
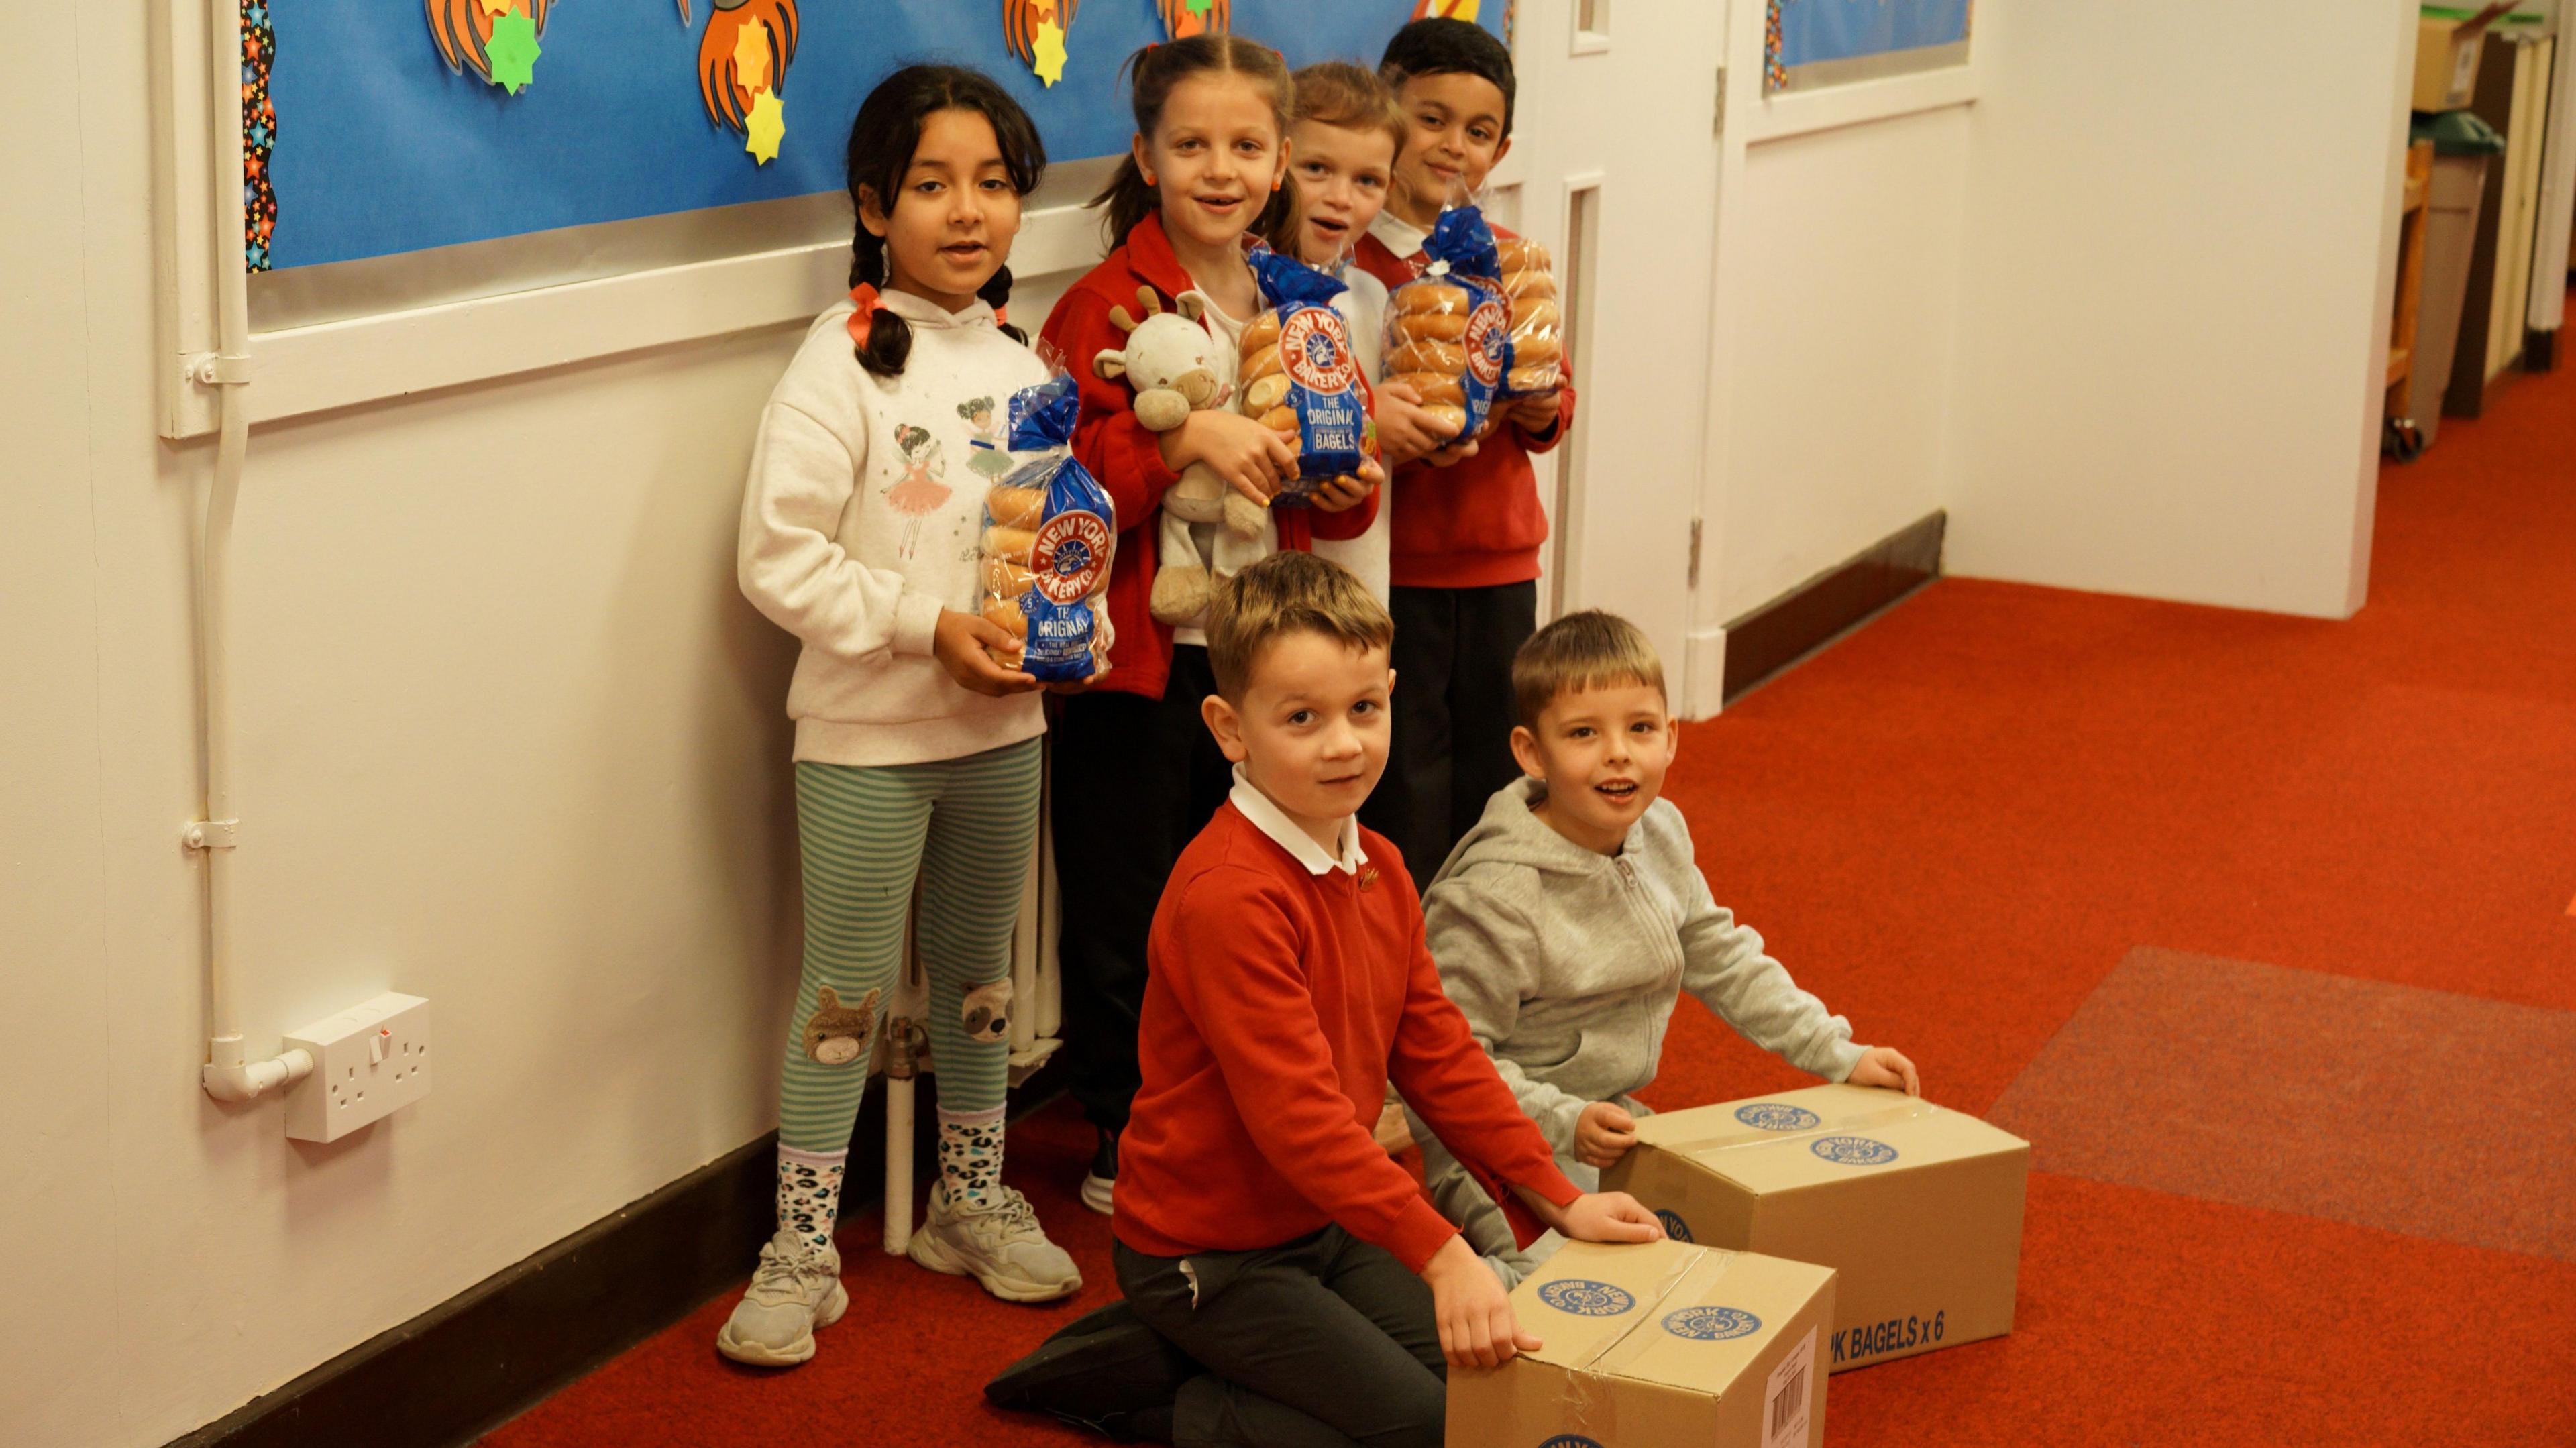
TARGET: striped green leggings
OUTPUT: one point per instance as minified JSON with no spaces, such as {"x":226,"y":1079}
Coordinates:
{"x":965,"y":828}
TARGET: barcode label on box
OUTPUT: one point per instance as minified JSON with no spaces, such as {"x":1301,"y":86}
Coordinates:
{"x":1786,"y":1397}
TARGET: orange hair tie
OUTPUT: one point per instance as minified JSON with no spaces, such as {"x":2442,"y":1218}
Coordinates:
{"x":863,"y":297}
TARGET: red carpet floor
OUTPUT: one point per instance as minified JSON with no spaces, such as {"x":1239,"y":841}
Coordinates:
{"x":1954,"y":826}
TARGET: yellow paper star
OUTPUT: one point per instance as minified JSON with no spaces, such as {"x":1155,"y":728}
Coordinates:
{"x":1047,"y":57}
{"x":765,"y":128}
{"x":751,"y":57}
{"x":499,"y":7}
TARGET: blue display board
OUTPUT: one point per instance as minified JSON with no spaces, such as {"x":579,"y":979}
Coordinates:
{"x":1812,"y":31}
{"x":380,"y":148}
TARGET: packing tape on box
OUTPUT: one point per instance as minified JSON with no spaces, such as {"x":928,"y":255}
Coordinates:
{"x":1909,"y":1109}
{"x":1706,"y":1264}
{"x":1590,"y":1408}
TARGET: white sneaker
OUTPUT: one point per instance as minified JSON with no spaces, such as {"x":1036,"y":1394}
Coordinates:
{"x":1102,"y":1181}
{"x":1001,"y":1246}
{"x":796,"y":1289}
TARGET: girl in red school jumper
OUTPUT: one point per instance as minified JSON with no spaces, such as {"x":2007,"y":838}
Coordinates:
{"x":1135,"y":773}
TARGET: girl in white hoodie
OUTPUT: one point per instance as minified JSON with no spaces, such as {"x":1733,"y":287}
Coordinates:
{"x":917,"y":737}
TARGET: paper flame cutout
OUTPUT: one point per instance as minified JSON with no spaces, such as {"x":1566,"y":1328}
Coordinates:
{"x":463,"y":30}
{"x":730,"y":94}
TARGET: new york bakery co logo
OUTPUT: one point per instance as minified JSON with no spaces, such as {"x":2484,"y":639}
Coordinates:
{"x":1585,"y":1298}
{"x":1488,"y":332}
{"x":1317,"y":350}
{"x":1776,"y":1116}
{"x":1067,"y":558}
{"x":1854,"y":1150}
{"x":1711,"y":1324}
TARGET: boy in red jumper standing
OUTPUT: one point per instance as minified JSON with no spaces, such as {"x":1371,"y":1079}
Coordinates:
{"x":1466,"y":522}
{"x":1260,"y":1227}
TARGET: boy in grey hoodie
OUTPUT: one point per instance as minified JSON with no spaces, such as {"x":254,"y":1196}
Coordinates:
{"x":1572,"y":916}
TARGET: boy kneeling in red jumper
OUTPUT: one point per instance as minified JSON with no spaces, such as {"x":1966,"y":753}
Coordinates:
{"x":1260,"y":1227}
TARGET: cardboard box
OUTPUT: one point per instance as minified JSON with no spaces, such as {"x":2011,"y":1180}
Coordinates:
{"x":1654,"y":1344}
{"x":2448,"y":45}
{"x":1915,"y":1207}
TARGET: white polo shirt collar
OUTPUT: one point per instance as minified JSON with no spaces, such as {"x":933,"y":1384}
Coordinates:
{"x":1274,"y":822}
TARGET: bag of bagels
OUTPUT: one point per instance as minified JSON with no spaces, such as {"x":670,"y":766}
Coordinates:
{"x":1049,"y":531}
{"x":1448,"y":331}
{"x":1299,"y":373}
{"x":1529,"y":292}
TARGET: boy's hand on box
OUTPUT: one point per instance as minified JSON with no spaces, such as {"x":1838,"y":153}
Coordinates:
{"x":1886,"y":1067}
{"x":1477,"y":1328}
{"x":1603,"y":1134}
{"x":1606,"y":1217}
{"x":1536,"y":414}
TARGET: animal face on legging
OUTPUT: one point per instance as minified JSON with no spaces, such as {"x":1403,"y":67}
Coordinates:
{"x":987,"y":1012}
{"x":835,"y":1034}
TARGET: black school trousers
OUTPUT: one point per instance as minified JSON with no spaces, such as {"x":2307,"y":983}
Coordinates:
{"x":1323,"y":1342}
{"x":1133,"y":781}
{"x":1453,"y":716}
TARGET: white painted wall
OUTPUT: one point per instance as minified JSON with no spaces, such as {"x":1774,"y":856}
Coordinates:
{"x":2180,"y":231}
{"x":509,"y":739}
{"x":56,"y":1182}
{"x":1841,"y":344}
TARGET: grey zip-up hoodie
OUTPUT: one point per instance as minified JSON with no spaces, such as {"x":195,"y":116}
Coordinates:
{"x":1567,"y":963}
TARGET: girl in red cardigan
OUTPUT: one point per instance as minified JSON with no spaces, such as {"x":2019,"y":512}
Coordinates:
{"x":1135,"y":774}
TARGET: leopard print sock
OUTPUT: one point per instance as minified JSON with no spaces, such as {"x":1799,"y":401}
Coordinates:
{"x":809,"y":1193}
{"x":970,"y":1156}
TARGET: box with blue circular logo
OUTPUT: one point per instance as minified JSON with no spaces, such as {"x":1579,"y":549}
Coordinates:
{"x":1917,"y":1208}
{"x":1662,"y":1342}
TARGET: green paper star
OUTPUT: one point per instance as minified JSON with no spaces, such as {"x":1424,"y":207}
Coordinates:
{"x":1198,"y":7}
{"x":513,"y":51}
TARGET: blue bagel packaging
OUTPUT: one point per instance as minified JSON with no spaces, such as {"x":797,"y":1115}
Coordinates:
{"x":1049,"y":533}
{"x":1300,"y":373}
{"x":1454,"y":310}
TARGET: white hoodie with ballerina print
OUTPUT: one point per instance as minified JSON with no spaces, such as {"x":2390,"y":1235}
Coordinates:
{"x":864,"y":517}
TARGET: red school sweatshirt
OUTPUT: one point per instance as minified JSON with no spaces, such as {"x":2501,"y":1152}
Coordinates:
{"x":1127,"y":457}
{"x":1476,"y":523}
{"x":1278,"y":1002}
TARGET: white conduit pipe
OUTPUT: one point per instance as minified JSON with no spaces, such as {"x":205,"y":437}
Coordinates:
{"x":2557,"y":192}
{"x":227,"y":1075}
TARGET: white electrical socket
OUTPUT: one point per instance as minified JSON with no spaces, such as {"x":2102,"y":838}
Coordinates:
{"x":368,"y":1062}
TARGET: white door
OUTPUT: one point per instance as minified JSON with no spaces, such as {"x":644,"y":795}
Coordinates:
{"x":1614,"y":166}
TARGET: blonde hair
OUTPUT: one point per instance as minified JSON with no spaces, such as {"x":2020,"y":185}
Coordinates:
{"x":1285,"y":593}
{"x":1587,"y":650}
{"x":1339,"y":94}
